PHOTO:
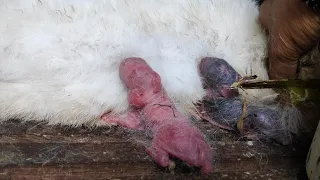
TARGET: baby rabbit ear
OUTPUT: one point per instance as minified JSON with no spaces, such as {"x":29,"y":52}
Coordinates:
{"x":156,"y":83}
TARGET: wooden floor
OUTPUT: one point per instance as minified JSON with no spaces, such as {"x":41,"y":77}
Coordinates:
{"x":34,"y":151}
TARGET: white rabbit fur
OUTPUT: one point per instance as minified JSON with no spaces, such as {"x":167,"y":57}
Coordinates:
{"x":59,"y":58}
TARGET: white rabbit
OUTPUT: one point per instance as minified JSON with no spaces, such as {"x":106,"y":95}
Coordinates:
{"x":59,"y":59}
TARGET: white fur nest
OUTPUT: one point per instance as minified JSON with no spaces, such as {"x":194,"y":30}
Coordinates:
{"x":59,"y":58}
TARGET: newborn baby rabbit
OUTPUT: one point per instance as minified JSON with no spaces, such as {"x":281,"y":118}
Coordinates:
{"x":153,"y":110}
{"x":225,"y":108}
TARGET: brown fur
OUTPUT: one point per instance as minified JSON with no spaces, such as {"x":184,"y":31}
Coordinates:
{"x":294,"y":28}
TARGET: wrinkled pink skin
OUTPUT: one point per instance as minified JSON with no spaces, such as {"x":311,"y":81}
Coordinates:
{"x":173,"y":134}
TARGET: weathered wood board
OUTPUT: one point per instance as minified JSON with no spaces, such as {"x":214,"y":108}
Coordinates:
{"x":35,"y":151}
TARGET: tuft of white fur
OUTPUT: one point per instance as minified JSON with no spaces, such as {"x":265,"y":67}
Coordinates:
{"x":59,"y":59}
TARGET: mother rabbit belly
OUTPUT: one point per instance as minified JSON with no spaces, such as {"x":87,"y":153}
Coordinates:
{"x":59,"y":59}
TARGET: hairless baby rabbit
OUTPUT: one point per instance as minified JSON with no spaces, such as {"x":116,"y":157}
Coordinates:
{"x":153,"y":110}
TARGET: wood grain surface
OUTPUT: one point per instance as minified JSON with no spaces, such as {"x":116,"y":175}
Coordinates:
{"x":35,"y":150}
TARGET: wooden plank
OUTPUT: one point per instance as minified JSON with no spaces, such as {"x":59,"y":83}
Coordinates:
{"x":36,"y":151}
{"x":131,"y":172}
